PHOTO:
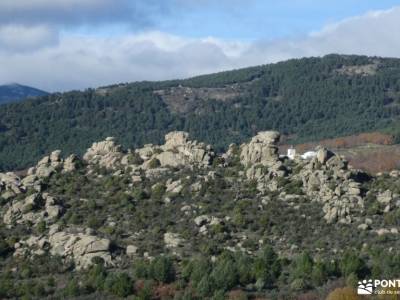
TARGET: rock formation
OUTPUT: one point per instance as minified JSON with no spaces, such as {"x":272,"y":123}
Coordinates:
{"x":183,"y":169}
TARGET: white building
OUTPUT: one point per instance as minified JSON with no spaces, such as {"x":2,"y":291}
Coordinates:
{"x":309,"y":155}
{"x":291,"y":153}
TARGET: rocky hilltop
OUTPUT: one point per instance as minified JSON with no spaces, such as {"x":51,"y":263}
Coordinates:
{"x":118,"y":208}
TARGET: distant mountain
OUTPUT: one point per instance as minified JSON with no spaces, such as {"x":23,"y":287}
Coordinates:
{"x":16,"y":92}
{"x":306,"y":99}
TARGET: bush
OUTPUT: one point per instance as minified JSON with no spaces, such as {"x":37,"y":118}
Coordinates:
{"x":139,"y":194}
{"x":119,"y":284}
{"x":319,"y":274}
{"x":141,"y":269}
{"x":158,"y":191}
{"x":243,"y":264}
{"x":351,"y":263}
{"x":4,"y":248}
{"x":267,"y":267}
{"x":196,"y":269}
{"x":302,"y":267}
{"x":294,"y":187}
{"x":72,"y":289}
{"x":225,"y":274}
{"x":205,"y":287}
{"x":41,"y":227}
{"x":96,"y":278}
{"x":154,"y":163}
{"x":135,"y":159}
{"x":162,"y":269}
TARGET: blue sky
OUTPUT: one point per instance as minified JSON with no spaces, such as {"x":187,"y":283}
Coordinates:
{"x":263,"y":19}
{"x":74,"y":44}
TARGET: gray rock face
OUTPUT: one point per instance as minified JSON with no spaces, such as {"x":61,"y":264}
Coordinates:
{"x":261,"y":158}
{"x":131,"y":250}
{"x":323,"y":155}
{"x":386,"y":197}
{"x":202,"y":220}
{"x":20,"y":211}
{"x":49,"y":165}
{"x":33,"y":208}
{"x":174,"y":187}
{"x":106,"y":153}
{"x":172,"y":240}
{"x":10,"y":185}
{"x":80,"y":247}
{"x":178,"y":150}
{"x":262,"y":149}
{"x":70,"y":163}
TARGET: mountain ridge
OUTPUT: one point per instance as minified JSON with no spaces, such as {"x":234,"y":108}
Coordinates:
{"x":306,"y":99}
{"x":14,"y":92}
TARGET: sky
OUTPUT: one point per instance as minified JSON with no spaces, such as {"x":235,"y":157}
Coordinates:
{"x":75,"y":44}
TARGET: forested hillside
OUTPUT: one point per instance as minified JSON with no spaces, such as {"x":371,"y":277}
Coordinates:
{"x":307,"y":99}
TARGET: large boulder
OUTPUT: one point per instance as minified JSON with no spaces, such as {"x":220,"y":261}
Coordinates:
{"x":172,"y":240}
{"x":178,"y":150}
{"x":10,"y":185}
{"x":21,"y":211}
{"x":262,"y":149}
{"x":80,"y":247}
{"x":71,"y":163}
{"x":106,"y":153}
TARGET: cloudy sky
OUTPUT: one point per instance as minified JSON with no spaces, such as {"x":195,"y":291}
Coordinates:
{"x":59,"y":45}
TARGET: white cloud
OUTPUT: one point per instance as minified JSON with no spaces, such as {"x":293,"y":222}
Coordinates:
{"x":26,"y":39}
{"x":84,"y":61}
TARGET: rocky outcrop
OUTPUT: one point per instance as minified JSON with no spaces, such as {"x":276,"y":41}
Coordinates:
{"x":10,"y":185}
{"x":327,"y":179}
{"x":178,"y":150}
{"x":71,"y":163}
{"x":262,"y":149}
{"x":80,"y":247}
{"x":23,"y":210}
{"x":106,"y":153}
{"x":49,"y":165}
{"x":172,"y":240}
{"x":34,"y":208}
{"x":261,"y":158}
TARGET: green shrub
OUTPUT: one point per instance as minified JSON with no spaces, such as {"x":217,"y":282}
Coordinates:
{"x":135,"y":159}
{"x":245,"y":272}
{"x":196,"y":269}
{"x":302,"y":267}
{"x":224,"y":274}
{"x":4,"y":248}
{"x":267,"y":267}
{"x":294,"y":187}
{"x":205,"y":287}
{"x":158,"y":191}
{"x":141,"y":269}
{"x":319,"y":274}
{"x":72,"y":289}
{"x":139,"y":194}
{"x":154,"y":163}
{"x":119,"y":284}
{"x":162,"y":269}
{"x":351,"y":263}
